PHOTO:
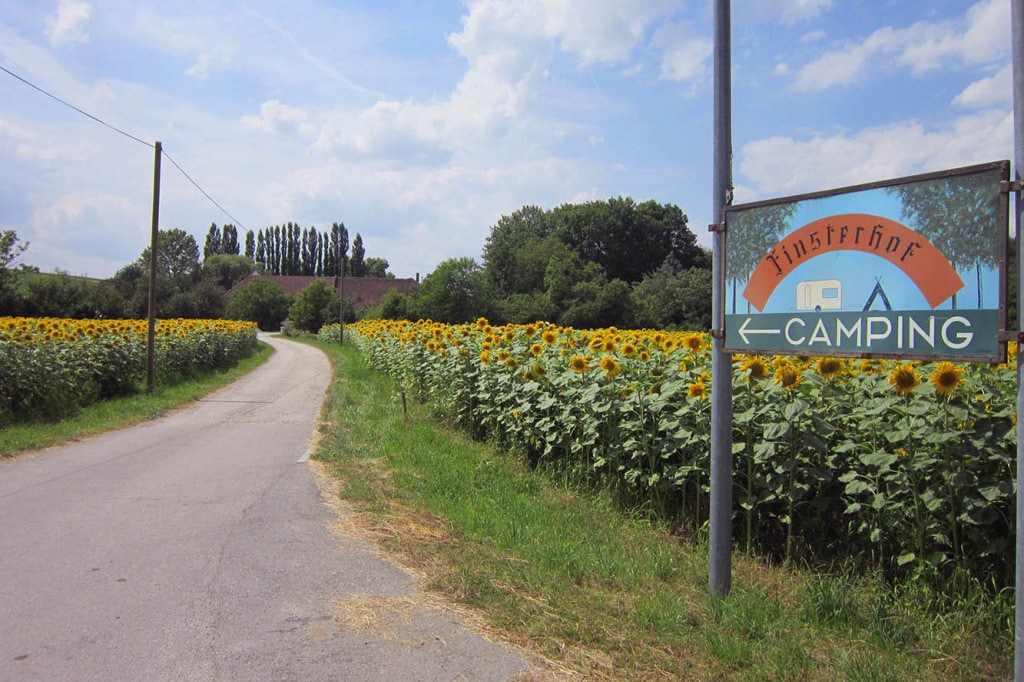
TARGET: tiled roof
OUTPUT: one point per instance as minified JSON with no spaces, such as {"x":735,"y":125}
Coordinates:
{"x":362,"y":291}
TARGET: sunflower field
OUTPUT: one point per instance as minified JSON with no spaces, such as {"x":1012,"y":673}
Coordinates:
{"x":50,"y":367}
{"x":907,"y":467}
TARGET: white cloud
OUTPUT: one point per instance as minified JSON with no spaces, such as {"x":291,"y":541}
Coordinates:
{"x":842,"y":67}
{"x":797,"y":10}
{"x":781,"y":166}
{"x":28,"y":144}
{"x":69,"y":24}
{"x":789,"y":11}
{"x":279,"y":118}
{"x":508,"y":47}
{"x":995,"y":91}
{"x":210,"y":61}
{"x":981,"y":36}
{"x":685,"y":52}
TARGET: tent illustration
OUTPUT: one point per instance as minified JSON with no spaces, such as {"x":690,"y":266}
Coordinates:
{"x":878,"y":291}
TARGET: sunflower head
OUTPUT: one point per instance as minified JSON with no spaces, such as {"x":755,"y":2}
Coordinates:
{"x":904,"y":379}
{"x":946,"y":378}
{"x":580,"y":364}
{"x":787,"y":375}
{"x":757,"y":368}
{"x":609,"y":365}
{"x":693,"y":342}
{"x":831,"y":368}
{"x":698,"y":390}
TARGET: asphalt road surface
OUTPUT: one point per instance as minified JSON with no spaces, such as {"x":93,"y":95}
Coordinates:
{"x":197,"y":547}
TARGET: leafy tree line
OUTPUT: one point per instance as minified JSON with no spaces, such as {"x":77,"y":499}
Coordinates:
{"x":597,"y":264}
{"x":185,"y":285}
{"x":293,"y":250}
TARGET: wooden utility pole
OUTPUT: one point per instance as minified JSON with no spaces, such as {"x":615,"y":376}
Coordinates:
{"x":154,"y":238}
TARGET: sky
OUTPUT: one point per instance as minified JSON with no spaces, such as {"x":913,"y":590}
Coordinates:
{"x":420,"y":123}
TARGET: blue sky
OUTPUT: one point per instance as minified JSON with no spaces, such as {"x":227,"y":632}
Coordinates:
{"x":420,"y":123}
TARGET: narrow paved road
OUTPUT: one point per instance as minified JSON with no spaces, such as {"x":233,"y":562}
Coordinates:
{"x":196,"y":547}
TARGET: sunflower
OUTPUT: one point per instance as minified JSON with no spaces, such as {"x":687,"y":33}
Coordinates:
{"x":830,"y":368}
{"x":756,"y":367}
{"x":485,"y":357}
{"x":698,"y":390}
{"x":946,"y":378}
{"x":609,"y":345}
{"x":787,"y":375}
{"x":610,"y":366}
{"x":904,"y":379}
{"x":580,"y":364}
{"x":629,"y":349}
{"x":549,"y":337}
{"x":693,"y":342}
{"x":536,"y":349}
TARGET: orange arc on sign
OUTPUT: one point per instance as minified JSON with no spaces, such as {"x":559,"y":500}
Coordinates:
{"x":926,"y":266}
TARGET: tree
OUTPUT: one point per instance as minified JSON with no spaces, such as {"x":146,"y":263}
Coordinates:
{"x":455,"y":292}
{"x":10,"y":250}
{"x":955,"y":214}
{"x":212,"y":247}
{"x":227,"y":270}
{"x":314,"y":307}
{"x":377,"y":267}
{"x":674,"y":299}
{"x":177,"y":256}
{"x":64,"y":295}
{"x":250,"y":245}
{"x":752,"y":234}
{"x":338,"y":250}
{"x":262,"y":302}
{"x":229,"y":240}
{"x":392,"y":306}
{"x":513,"y":260}
{"x":358,"y":263}
{"x":626,"y":240}
{"x":261,"y":250}
{"x":584,"y":297}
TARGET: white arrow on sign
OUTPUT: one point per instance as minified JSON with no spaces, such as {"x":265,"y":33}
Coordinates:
{"x":744,"y":332}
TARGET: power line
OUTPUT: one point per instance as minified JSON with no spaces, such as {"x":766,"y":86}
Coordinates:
{"x":128,"y":135}
{"x":72,"y":106}
{"x":196,"y":185}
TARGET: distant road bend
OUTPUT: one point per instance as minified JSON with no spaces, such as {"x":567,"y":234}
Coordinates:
{"x":197,"y":547}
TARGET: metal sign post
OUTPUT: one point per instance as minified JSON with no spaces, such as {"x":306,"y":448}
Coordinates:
{"x":1017,"y":28}
{"x":720,"y":546}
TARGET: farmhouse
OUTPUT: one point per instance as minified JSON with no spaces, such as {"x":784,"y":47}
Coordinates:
{"x":361,"y":291}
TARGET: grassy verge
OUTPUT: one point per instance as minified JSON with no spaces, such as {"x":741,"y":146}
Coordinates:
{"x":119,"y":412}
{"x":564,"y":573}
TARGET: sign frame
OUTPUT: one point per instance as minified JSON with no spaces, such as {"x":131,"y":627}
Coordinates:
{"x":902,"y":333}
